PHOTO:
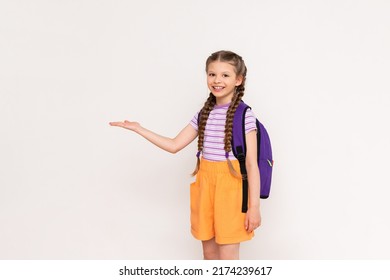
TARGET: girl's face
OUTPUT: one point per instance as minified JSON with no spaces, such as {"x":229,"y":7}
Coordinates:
{"x":222,"y":81}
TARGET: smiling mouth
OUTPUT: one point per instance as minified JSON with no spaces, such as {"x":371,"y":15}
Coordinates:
{"x":218,"y":88}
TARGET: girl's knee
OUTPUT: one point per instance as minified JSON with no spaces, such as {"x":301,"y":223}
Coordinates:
{"x":210,"y":250}
{"x":210,"y":255}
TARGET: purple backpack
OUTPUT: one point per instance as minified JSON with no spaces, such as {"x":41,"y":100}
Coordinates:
{"x":264,"y":154}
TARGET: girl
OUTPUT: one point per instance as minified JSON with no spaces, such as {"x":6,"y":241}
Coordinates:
{"x":216,"y":195}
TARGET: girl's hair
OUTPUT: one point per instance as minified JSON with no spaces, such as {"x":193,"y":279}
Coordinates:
{"x":240,"y":70}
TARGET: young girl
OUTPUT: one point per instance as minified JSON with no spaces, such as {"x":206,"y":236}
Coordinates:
{"x":216,"y":195}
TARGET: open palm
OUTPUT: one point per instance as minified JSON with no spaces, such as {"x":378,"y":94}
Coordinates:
{"x":126,"y":124}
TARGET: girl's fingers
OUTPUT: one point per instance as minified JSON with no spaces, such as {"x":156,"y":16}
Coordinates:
{"x":116,"y":123}
{"x":124,"y":123}
{"x":249,"y":226}
{"x":252,"y":227}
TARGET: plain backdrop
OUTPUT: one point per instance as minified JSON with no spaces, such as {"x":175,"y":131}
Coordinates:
{"x":72,"y":187}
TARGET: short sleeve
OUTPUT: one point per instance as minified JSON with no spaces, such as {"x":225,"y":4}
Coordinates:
{"x":194,"y":121}
{"x":250,"y":121}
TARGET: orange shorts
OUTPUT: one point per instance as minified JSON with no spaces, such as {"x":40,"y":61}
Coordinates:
{"x":216,"y":199}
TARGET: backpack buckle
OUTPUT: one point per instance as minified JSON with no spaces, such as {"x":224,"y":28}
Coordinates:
{"x":241,"y":157}
{"x":240,"y":154}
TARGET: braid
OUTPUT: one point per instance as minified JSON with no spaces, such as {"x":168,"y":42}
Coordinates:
{"x":203,"y":116}
{"x":229,"y":124}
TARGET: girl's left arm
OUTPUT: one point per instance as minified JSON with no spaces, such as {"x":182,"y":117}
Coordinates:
{"x":253,"y":218}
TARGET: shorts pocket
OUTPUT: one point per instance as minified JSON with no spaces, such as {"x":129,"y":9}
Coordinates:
{"x":194,"y":195}
{"x":194,"y":203}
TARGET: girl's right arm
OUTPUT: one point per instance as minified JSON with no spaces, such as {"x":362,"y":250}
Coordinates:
{"x":172,"y":145}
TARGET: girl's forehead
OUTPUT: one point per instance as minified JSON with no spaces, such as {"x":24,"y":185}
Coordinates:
{"x":220,"y":66}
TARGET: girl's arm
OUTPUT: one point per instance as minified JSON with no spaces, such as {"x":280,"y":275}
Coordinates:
{"x":253,"y":218}
{"x":172,"y":145}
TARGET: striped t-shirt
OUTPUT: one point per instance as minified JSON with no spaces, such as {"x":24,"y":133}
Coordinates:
{"x":213,"y":147}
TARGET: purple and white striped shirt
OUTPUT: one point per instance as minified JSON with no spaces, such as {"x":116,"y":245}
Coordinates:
{"x":214,"y":134}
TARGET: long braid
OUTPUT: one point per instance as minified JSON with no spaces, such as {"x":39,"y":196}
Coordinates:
{"x":229,"y":126}
{"x":203,"y":116}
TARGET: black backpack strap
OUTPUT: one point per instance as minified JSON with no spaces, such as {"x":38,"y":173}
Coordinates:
{"x":239,"y":149}
{"x":241,"y":159}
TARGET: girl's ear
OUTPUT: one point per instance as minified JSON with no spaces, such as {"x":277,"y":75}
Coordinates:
{"x":239,"y":80}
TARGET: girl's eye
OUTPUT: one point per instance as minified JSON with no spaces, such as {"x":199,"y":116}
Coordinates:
{"x":225,"y":75}
{"x":211,"y":74}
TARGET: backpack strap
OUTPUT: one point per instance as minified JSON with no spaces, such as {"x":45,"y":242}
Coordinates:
{"x":239,"y":149}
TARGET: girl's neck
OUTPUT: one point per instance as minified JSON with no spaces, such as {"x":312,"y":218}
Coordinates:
{"x":222,"y":105}
{"x":220,"y":102}
{"x":225,"y":99}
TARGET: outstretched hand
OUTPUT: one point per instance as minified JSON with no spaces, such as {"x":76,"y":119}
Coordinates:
{"x":126,"y":124}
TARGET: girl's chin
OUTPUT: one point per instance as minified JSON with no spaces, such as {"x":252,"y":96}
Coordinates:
{"x":221,"y":94}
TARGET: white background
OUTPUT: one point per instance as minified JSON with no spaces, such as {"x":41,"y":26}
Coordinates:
{"x":72,"y":187}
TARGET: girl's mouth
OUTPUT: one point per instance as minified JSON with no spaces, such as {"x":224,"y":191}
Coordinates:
{"x":218,"y":88}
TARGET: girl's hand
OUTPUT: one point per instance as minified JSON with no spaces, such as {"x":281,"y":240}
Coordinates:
{"x":126,"y":124}
{"x":252,"y":219}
